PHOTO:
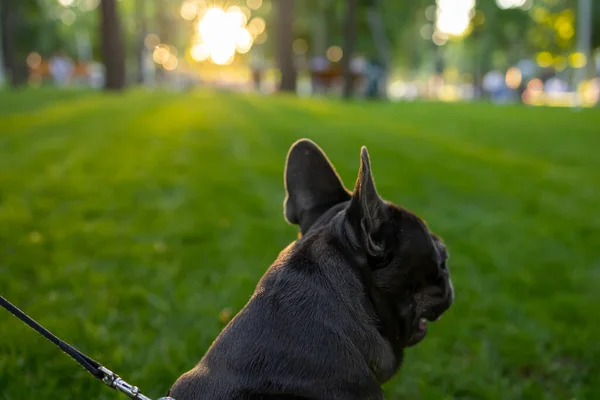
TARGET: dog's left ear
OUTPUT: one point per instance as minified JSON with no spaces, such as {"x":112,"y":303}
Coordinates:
{"x":312,"y":184}
{"x":366,"y":210}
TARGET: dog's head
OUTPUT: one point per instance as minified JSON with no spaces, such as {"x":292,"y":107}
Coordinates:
{"x":405,"y":261}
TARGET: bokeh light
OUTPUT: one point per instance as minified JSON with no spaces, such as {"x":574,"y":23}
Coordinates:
{"x":514,"y":77}
{"x":430,"y":13}
{"x":237,"y":16}
{"x":243,"y":41}
{"x":161,"y":54}
{"x":578,"y":60}
{"x":544,"y":59}
{"x":535,"y":85}
{"x":222,"y":56}
{"x":479,"y":18}
{"x":589,"y":91}
{"x":189,"y":10}
{"x":246,"y":11}
{"x":397,"y":90}
{"x":256,"y":26}
{"x":171,"y":63}
{"x":266,"y":7}
{"x":335,"y":53}
{"x":533,"y":94}
{"x":34,"y":60}
{"x":540,"y":14}
{"x":506,"y":4}
{"x":439,"y":38}
{"x":560,"y":63}
{"x":200,"y":52}
{"x":426,"y":31}
{"x":88,"y":5}
{"x":66,"y":3}
{"x":151,"y":41}
{"x":68,"y":17}
{"x":260,"y":39}
{"x":300,"y":46}
{"x":564,"y":26}
{"x":254,"y":4}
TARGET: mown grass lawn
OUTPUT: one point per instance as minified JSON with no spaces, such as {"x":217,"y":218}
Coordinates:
{"x":130,"y":225}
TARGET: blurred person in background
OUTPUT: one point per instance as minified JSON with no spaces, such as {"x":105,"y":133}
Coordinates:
{"x":493,"y":84}
{"x":318,"y":65}
{"x":61,"y":68}
{"x":374,"y":72}
{"x":358,"y":68}
{"x":257,"y":64}
{"x":556,"y":85}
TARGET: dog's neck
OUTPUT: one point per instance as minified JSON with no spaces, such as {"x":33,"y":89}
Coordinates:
{"x":310,"y":218}
{"x":347,"y":245}
{"x":389,"y":323}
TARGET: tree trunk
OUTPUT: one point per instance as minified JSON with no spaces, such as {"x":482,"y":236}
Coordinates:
{"x":1,"y":48}
{"x":381,"y":41}
{"x":112,"y":46}
{"x":584,"y":42}
{"x":139,"y":41}
{"x":164,"y":33}
{"x":15,"y":67}
{"x":7,"y":35}
{"x":319,"y":42}
{"x":285,"y":40}
{"x":349,"y":45}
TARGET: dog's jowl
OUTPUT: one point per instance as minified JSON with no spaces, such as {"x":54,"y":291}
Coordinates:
{"x":330,"y":319}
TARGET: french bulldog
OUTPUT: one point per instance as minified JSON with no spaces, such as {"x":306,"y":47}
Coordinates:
{"x":332,"y":316}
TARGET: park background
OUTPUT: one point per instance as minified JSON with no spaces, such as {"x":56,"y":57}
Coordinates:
{"x":142,"y":148}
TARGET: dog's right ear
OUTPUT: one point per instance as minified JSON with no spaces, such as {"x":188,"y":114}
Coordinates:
{"x":312,"y":184}
{"x":366,"y":208}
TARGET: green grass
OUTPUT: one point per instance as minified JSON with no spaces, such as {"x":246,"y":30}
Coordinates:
{"x":128,"y":223}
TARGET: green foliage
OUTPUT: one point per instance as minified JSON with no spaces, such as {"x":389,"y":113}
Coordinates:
{"x":596,"y":25}
{"x":505,"y":35}
{"x":28,"y":17}
{"x":128,"y":223}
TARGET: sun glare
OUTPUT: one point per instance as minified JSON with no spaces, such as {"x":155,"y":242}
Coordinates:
{"x":200,"y":52}
{"x":221,"y":34}
{"x":189,"y":10}
{"x":453,"y":17}
{"x":505,"y":4}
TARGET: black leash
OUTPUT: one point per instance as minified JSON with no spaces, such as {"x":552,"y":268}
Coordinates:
{"x":93,"y":367}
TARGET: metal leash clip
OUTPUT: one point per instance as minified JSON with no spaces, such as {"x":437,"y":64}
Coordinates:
{"x":114,"y":381}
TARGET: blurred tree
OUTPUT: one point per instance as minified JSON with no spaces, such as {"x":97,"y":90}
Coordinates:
{"x":2,"y":78}
{"x":498,"y":39}
{"x":112,"y":46}
{"x":141,"y":20}
{"x":285,"y":40}
{"x":595,"y":25}
{"x":349,"y":46}
{"x":381,"y":41}
{"x":8,"y":13}
{"x":323,"y":22}
{"x":18,"y":21}
{"x":584,"y":40}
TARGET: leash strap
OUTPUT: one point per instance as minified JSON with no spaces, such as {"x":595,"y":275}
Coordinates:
{"x":93,"y":367}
